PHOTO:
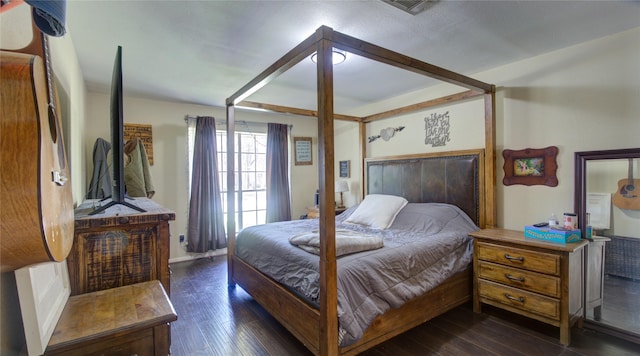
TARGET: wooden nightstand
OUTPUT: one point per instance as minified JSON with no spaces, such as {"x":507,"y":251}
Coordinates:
{"x":537,"y":279}
{"x":313,"y":212}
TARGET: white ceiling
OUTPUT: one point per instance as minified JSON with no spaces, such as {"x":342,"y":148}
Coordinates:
{"x":204,"y":51}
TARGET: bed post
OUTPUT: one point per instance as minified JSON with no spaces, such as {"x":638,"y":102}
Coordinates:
{"x":231,"y":197}
{"x":490,"y":157}
{"x":362,"y":129}
{"x":328,"y":264}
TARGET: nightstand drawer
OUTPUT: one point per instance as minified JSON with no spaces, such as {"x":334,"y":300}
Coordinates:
{"x":520,"y":258}
{"x":520,"y":299}
{"x":519,"y":278}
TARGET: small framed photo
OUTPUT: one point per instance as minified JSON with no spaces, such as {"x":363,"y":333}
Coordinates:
{"x":531,"y":166}
{"x":344,"y":169}
{"x":302,"y":147}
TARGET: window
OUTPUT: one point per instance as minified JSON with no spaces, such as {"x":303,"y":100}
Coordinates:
{"x":250,"y":173}
{"x":250,"y":177}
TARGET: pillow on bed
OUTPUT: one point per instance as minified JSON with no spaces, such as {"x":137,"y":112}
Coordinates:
{"x":377,"y":211}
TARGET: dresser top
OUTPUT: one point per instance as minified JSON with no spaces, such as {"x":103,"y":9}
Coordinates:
{"x":148,"y":205}
{"x":517,"y":237}
{"x":119,"y":214}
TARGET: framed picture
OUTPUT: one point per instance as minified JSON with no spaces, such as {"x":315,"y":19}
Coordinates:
{"x":531,"y":166}
{"x":144,"y":133}
{"x":344,"y":169}
{"x":302,"y":146}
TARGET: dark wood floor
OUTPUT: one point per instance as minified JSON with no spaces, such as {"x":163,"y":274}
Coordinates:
{"x":215,"y":320}
{"x":621,"y":303}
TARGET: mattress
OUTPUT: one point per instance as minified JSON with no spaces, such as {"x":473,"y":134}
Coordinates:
{"x":426,"y":244}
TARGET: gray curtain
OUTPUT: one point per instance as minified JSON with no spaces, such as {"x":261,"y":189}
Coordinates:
{"x":278,"y":197}
{"x":206,"y":221}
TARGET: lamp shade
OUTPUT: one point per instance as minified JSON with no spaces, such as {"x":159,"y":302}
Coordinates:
{"x":342,"y":186}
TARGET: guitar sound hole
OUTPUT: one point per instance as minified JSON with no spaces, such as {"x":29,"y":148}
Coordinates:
{"x":54,"y":129}
{"x":53,"y":125}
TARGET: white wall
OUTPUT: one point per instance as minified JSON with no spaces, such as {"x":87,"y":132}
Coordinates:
{"x":608,"y":176}
{"x":581,"y":98}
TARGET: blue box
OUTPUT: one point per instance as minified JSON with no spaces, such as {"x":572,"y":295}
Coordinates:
{"x":551,"y":235}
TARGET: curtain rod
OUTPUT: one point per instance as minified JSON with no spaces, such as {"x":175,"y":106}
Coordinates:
{"x":224,"y":122}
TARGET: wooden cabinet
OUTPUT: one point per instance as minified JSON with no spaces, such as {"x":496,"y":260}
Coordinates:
{"x":129,"y":320}
{"x":119,"y":247}
{"x":313,"y":212}
{"x":537,"y":279}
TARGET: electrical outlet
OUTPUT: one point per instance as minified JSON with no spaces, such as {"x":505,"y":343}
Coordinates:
{"x":181,"y":238}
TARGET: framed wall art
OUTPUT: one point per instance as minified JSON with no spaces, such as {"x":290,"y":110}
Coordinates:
{"x":531,"y":166}
{"x":144,"y":133}
{"x":302,"y":147}
{"x":344,"y":169}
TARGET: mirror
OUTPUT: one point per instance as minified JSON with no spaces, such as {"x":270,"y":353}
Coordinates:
{"x":607,"y":198}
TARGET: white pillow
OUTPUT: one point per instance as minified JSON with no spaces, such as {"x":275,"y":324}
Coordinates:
{"x":377,"y":211}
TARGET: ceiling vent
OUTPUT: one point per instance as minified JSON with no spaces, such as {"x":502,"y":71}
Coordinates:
{"x":412,"y":7}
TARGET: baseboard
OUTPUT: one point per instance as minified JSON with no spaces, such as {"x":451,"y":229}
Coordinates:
{"x":195,"y":256}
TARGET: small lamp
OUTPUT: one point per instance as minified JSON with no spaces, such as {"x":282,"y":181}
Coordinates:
{"x":341,"y":187}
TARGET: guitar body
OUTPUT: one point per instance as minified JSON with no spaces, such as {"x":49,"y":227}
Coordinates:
{"x":37,"y":218}
{"x":628,"y":194}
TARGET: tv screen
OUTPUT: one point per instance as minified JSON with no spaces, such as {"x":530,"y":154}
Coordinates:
{"x":117,"y":130}
{"x":118,"y":193}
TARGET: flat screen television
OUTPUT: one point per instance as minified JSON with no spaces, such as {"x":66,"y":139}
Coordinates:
{"x":118,"y":191}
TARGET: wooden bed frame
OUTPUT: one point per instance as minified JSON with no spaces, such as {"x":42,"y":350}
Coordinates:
{"x":318,"y":328}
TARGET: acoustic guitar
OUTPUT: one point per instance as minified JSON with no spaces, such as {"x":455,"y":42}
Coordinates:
{"x":37,"y":218}
{"x":628,"y":194}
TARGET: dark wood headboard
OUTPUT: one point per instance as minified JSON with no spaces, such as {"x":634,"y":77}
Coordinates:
{"x":455,"y":178}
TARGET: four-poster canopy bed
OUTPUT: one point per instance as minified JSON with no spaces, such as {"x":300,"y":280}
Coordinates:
{"x":465,"y":179}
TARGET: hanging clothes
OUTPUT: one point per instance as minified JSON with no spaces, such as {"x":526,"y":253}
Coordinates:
{"x":137,"y":173}
{"x":100,"y":184}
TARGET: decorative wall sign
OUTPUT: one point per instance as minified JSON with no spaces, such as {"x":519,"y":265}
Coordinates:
{"x":386,"y":134}
{"x":436,"y":128}
{"x":344,"y":169}
{"x":531,"y":166}
{"x":303,"y":156}
{"x":144,"y":133}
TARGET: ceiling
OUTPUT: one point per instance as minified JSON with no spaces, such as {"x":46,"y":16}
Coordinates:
{"x":204,"y":51}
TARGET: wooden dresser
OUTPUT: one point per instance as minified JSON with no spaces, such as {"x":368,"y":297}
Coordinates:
{"x":119,"y":247}
{"x":537,"y":279}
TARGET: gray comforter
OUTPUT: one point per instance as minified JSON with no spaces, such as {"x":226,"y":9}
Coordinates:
{"x":426,"y":244}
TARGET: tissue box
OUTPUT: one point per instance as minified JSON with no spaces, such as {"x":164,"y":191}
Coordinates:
{"x":551,"y":235}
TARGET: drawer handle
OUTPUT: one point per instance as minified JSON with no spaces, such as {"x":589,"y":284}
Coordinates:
{"x":519,"y":299}
{"x":515,"y":279}
{"x":513,"y":259}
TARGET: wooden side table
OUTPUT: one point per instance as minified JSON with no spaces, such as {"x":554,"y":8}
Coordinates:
{"x":534,"y":278}
{"x":127,"y":320}
{"x":313,"y":212}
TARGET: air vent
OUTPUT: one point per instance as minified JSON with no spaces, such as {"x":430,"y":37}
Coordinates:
{"x":412,"y":7}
